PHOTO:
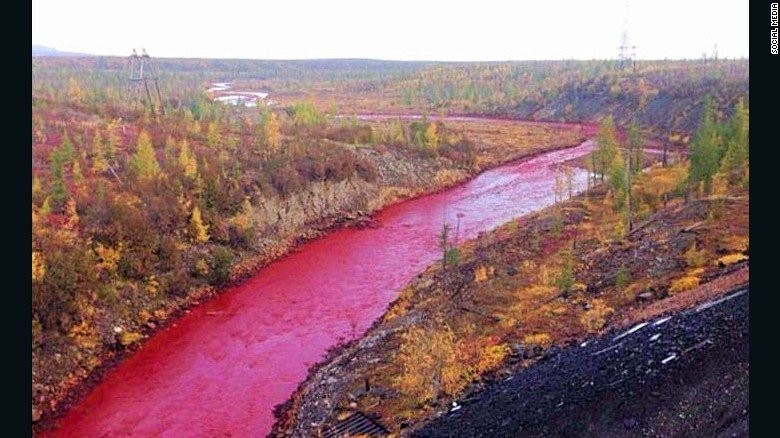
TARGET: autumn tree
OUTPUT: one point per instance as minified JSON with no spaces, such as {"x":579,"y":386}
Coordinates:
{"x":99,"y":163}
{"x":430,"y":364}
{"x":607,"y":144}
{"x":431,"y":137}
{"x":270,"y":126}
{"x":112,"y":139}
{"x":199,"y":231}
{"x":213,"y":136}
{"x":75,"y":92}
{"x":144,"y":162}
{"x":187,"y":161}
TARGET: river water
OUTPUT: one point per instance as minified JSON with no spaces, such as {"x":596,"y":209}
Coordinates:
{"x":224,"y":366}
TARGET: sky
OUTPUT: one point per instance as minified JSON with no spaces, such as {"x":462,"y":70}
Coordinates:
{"x":483,"y":30}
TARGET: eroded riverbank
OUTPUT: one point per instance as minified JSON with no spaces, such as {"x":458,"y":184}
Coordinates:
{"x":196,"y":362}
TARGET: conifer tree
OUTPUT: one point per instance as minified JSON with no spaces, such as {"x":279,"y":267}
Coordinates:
{"x":703,"y":152}
{"x":144,"y":162}
{"x":606,"y":140}
{"x":187,"y":161}
{"x":199,"y":232}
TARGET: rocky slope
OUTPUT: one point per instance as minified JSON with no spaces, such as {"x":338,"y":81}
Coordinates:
{"x":685,"y":374}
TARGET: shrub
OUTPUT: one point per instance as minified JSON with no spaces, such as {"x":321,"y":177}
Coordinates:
{"x":221,"y":260}
{"x":694,"y":257}
{"x":490,"y":357}
{"x":684,"y":283}
{"x":622,"y":278}
{"x":430,"y":364}
{"x":128,"y":338}
{"x":537,"y":339}
{"x":596,"y":317}
{"x":730,"y":259}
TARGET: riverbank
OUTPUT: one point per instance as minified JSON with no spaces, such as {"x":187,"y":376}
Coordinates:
{"x":427,"y":179}
{"x":548,"y":280}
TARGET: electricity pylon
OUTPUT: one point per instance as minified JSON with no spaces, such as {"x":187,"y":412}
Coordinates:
{"x":143,"y":71}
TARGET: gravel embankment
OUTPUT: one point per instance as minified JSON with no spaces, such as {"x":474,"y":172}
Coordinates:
{"x":684,"y":375}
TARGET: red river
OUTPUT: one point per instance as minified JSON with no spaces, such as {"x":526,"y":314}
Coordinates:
{"x":221,"y":369}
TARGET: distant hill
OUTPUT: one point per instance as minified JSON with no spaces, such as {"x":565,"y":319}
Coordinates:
{"x":50,"y":51}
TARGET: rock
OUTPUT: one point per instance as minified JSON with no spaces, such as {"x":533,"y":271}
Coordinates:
{"x":36,"y":414}
{"x":331,"y":380}
{"x":645,"y":296}
{"x":353,"y":405}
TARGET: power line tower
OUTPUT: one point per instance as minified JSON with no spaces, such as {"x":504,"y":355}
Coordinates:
{"x":626,"y":52}
{"x":143,"y":71}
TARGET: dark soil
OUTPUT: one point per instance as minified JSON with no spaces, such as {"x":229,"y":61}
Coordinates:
{"x":625,"y":386}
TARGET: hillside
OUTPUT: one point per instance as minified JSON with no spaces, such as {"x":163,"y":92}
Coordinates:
{"x":137,"y":218}
{"x":497,"y":304}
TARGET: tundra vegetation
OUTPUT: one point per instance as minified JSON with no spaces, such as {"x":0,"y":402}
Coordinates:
{"x":138,"y":214}
{"x":644,"y":234}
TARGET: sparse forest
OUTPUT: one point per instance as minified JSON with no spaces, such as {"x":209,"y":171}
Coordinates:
{"x":139,"y":214}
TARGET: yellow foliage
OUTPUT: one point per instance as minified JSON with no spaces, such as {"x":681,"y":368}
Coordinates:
{"x":695,"y":272}
{"x":658,"y":181}
{"x":187,"y":161}
{"x":37,"y":188}
{"x":544,"y":277}
{"x":144,"y":161}
{"x":695,"y":257}
{"x":482,"y":273}
{"x":527,"y":267}
{"x":536,"y":292}
{"x":490,"y":357}
{"x":201,"y":268}
{"x":108,"y":257}
{"x":38,"y":266}
{"x":730,"y":259}
{"x":71,"y":214}
{"x":720,"y":184}
{"x":735,"y":243}
{"x":144,"y":315}
{"x":430,"y":364}
{"x":127,"y":338}
{"x":152,"y":285}
{"x":558,"y":310}
{"x":245,"y":219}
{"x":84,"y":335}
{"x":198,"y":230}
{"x":271,"y":131}
{"x":75,"y":92}
{"x":540,"y":339}
{"x":684,"y":283}
{"x":596,"y":317}
{"x":431,"y":136}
